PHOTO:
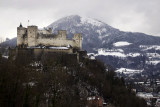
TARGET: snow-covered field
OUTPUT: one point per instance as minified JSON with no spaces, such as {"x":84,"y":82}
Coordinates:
{"x":128,"y":71}
{"x":116,"y":52}
{"x":151,"y":58}
{"x":153,"y":62}
{"x":148,"y":47}
{"x":111,"y":53}
{"x":153,"y":55}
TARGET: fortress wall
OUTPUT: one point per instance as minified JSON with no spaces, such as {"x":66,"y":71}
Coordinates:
{"x":56,"y":42}
{"x":39,"y":51}
{"x":44,"y":31}
{"x":63,"y":57}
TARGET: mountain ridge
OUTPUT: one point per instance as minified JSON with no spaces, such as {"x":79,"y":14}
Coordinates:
{"x":95,"y":31}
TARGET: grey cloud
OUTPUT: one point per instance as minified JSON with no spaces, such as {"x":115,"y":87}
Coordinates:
{"x":129,"y":15}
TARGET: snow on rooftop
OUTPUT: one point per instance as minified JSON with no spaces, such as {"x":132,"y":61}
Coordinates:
{"x":38,"y":47}
{"x":33,"y":47}
{"x":144,"y":95}
{"x":90,"y":54}
{"x":91,"y":98}
{"x":5,"y":56}
{"x":121,"y":43}
{"x":58,"y":48}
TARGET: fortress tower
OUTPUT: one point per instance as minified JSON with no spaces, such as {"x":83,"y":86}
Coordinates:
{"x":21,"y":31}
{"x":32,"y":35}
{"x":78,"y":39}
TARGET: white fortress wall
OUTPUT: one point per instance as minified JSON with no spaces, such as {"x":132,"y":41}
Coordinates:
{"x":56,"y":42}
{"x":44,"y":31}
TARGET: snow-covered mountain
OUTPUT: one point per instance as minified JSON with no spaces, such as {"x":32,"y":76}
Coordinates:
{"x":93,"y":31}
{"x":97,"y":34}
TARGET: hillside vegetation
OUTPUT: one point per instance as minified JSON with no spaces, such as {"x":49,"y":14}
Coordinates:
{"x":55,"y":83}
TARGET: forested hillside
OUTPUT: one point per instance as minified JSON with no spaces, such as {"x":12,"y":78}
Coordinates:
{"x":52,"y":82}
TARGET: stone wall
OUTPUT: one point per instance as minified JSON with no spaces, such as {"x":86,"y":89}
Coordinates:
{"x":55,"y":42}
{"x":45,"y":31}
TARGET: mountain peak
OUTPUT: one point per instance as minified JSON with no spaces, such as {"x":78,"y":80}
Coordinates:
{"x":85,"y":20}
{"x":79,"y":21}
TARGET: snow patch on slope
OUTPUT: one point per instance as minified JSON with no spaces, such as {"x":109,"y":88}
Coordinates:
{"x":128,"y":71}
{"x":116,"y":52}
{"x":149,"y":47}
{"x":153,"y":62}
{"x":85,"y":20}
{"x":122,"y":43}
{"x":119,"y":54}
{"x":133,"y":54}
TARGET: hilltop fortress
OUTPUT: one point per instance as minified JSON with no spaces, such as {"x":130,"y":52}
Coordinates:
{"x":39,"y":44}
{"x":33,"y":37}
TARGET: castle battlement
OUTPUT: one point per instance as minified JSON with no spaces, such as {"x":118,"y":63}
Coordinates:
{"x":32,"y":37}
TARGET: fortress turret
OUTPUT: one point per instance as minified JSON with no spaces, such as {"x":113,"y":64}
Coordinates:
{"x":78,"y":39}
{"x":21,"y":31}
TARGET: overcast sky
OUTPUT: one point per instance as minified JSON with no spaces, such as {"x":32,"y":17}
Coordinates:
{"x":126,"y":15}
